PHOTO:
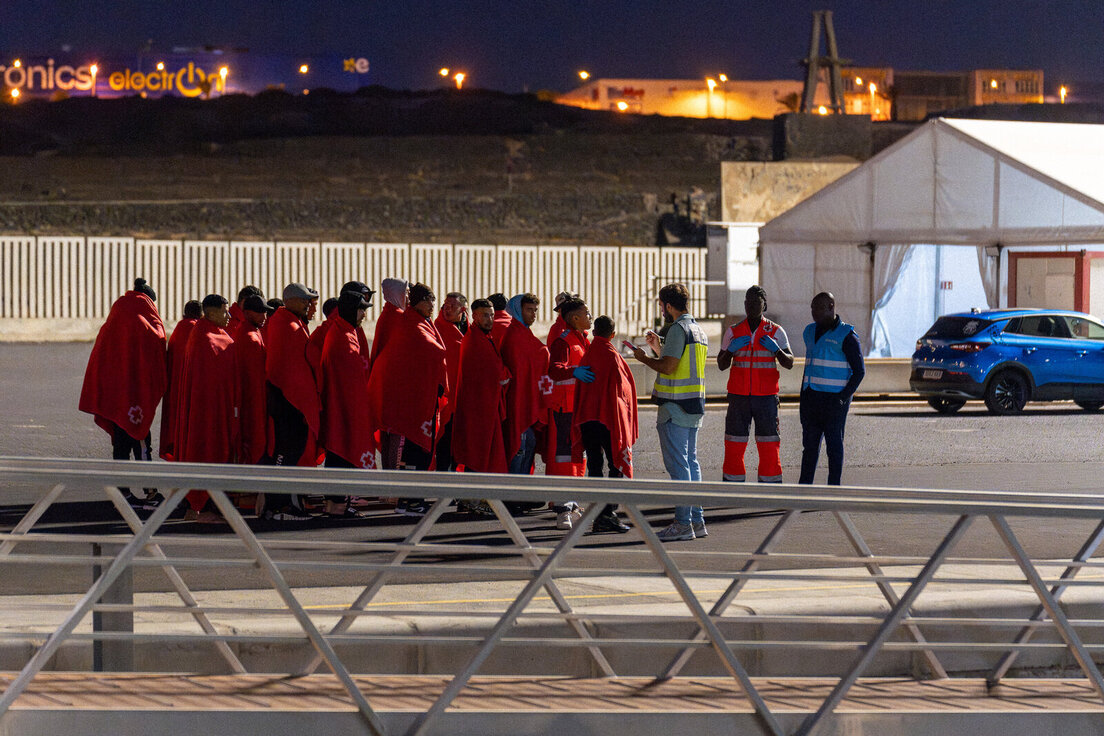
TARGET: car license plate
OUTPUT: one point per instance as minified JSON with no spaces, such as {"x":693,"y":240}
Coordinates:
{"x":930,"y":375}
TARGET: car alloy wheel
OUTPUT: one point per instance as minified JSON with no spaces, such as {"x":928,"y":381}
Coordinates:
{"x":1007,"y":393}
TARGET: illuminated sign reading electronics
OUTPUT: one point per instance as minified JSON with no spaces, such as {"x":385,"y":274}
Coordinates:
{"x":46,"y":77}
{"x":189,"y":81}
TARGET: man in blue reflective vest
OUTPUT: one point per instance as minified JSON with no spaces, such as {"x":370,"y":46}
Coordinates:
{"x":834,"y":369}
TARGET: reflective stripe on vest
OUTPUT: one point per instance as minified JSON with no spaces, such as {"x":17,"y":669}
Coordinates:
{"x":826,"y":367}
{"x":688,"y":380}
{"x":753,"y":371}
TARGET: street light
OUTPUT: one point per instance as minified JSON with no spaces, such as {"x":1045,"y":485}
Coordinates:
{"x":17,"y":63}
{"x":584,"y":74}
{"x":223,"y":71}
{"x":14,"y":94}
{"x":160,"y":66}
{"x":1062,"y":92}
{"x":459,"y":77}
{"x":873,"y":89}
{"x":444,"y":71}
{"x":711,"y":83}
{"x":622,"y":106}
{"x":724,"y":92}
{"x":94,"y":68}
{"x":303,"y":69}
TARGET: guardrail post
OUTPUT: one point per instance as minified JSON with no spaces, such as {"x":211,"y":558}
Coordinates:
{"x":113,"y":655}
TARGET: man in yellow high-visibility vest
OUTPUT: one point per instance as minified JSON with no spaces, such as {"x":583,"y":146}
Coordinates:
{"x":680,"y":393}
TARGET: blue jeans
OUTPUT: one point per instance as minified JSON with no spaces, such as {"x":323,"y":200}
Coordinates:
{"x":680,"y":456}
{"x":522,"y":462}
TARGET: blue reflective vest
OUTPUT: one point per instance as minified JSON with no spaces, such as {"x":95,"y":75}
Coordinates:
{"x":826,"y":367}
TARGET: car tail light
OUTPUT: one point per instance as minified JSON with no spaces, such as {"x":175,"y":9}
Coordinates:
{"x":969,"y":347}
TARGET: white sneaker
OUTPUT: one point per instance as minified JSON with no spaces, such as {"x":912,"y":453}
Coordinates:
{"x":700,"y":530}
{"x":566,"y":520}
{"x":677,"y":533}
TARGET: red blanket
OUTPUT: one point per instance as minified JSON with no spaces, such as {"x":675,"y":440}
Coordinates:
{"x":208,"y":429}
{"x":250,"y":346}
{"x":315,"y":344}
{"x":408,"y":383}
{"x":237,"y":316}
{"x":451,"y":336}
{"x":286,"y":365}
{"x":346,"y":431}
{"x":557,"y":329}
{"x":127,"y":370}
{"x":178,"y":343}
{"x":526,"y":357}
{"x":386,"y":323}
{"x":611,"y":400}
{"x":502,"y":321}
{"x":477,"y":441}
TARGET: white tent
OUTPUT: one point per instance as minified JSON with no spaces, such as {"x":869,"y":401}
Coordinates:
{"x":875,"y":236}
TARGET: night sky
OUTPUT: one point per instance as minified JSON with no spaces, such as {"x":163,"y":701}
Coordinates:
{"x":526,"y":44}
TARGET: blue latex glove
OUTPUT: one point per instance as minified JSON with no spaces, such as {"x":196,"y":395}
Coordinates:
{"x":738,"y":343}
{"x":768,"y":343}
{"x":584,"y":374}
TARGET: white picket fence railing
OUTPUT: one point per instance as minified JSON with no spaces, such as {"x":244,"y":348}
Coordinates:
{"x":78,"y":277}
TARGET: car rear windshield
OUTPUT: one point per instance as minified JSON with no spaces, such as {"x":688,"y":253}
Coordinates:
{"x":956,"y":328}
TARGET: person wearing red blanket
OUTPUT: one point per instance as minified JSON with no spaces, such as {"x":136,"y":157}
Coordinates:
{"x":208,"y":426}
{"x":526,"y":357}
{"x":451,"y":324}
{"x":565,"y":354}
{"x":343,"y":379}
{"x":317,"y":338}
{"x":236,"y":315}
{"x":502,"y":318}
{"x":126,"y":377}
{"x":605,"y":416}
{"x":293,"y":404}
{"x":480,"y":397}
{"x":395,"y":300}
{"x":406,"y":392}
{"x":250,"y":345}
{"x":559,"y":325}
{"x":178,"y":342}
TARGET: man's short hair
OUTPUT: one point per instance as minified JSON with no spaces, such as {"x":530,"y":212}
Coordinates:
{"x":275,"y":302}
{"x":419,"y":293}
{"x":482,"y":304}
{"x":567,"y":306}
{"x":677,"y":295}
{"x":211,"y":301}
{"x":328,"y":306}
{"x":498,"y":301}
{"x":193,"y":309}
{"x":248,"y":291}
{"x":528,"y":298}
{"x":457,"y":296}
{"x":603,"y":327}
{"x":756,"y":292}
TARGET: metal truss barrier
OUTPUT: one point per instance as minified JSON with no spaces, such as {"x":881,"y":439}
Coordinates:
{"x":900,"y":627}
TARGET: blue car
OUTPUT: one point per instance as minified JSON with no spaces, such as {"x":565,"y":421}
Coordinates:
{"x":1009,"y":357}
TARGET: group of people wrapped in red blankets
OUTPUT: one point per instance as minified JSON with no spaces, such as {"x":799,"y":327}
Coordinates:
{"x":251,"y":383}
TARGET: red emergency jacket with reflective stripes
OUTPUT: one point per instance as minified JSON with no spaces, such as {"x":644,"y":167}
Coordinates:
{"x":566,"y":353}
{"x":754,"y":371}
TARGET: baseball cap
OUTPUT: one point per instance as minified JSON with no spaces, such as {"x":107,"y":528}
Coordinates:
{"x":296,"y":290}
{"x":255,"y":303}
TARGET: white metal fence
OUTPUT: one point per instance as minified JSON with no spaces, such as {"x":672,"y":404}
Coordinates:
{"x":77,"y":277}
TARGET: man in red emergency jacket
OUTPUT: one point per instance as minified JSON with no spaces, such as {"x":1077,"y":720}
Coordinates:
{"x":480,"y":397}
{"x":565,"y":354}
{"x":178,"y":343}
{"x":752,"y":347}
{"x":343,"y":378}
{"x":605,"y":416}
{"x":451,"y":324}
{"x":395,"y":299}
{"x":293,"y":404}
{"x":208,"y":425}
{"x":559,"y":325}
{"x":250,"y":344}
{"x":126,"y":378}
{"x":406,"y":392}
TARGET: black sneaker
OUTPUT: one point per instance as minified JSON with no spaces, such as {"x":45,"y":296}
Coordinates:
{"x":609,"y":523}
{"x":413,"y":507}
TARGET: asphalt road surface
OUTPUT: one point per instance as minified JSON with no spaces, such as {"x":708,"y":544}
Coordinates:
{"x":1051,"y":447}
